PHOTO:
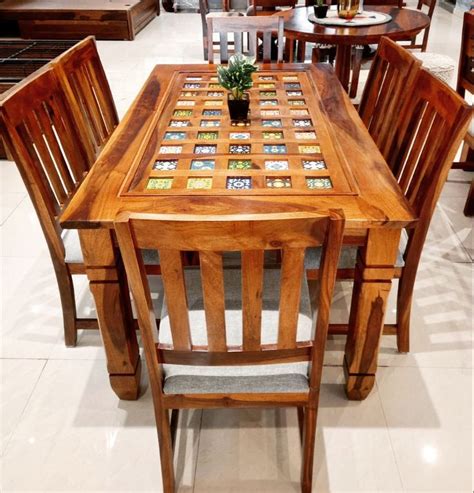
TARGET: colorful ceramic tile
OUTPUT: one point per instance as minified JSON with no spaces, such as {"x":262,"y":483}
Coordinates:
{"x":290,"y":78}
{"x":271,"y":123}
{"x":299,"y":112}
{"x":171,"y":149}
{"x":208,"y":135}
{"x":174,"y":136}
{"x":239,"y":135}
{"x":180,"y":123}
{"x":193,"y":78}
{"x":268,"y":102}
{"x":272,"y":135}
{"x":239,"y":149}
{"x":294,"y":93}
{"x":192,"y":85}
{"x":296,"y":102}
{"x":239,"y":183}
{"x":165,"y":164}
{"x":214,"y":86}
{"x":185,"y":102}
{"x":187,"y":94}
{"x":269,"y":112}
{"x":305,"y":135}
{"x":278,"y":182}
{"x":276,"y":165}
{"x":212,"y":112}
{"x":217,"y":102}
{"x":199,"y":183}
{"x":202,"y":164}
{"x":268,"y":85}
{"x":215,"y":94}
{"x":318,"y":183}
{"x":159,"y":183}
{"x":213,"y":78}
{"x":305,"y":122}
{"x":309,"y":149}
{"x":203,"y":149}
{"x":292,"y":85}
{"x":274,"y":149}
{"x":183,"y":113}
{"x":240,"y":164}
{"x":266,"y":77}
{"x":264,"y":94}
{"x":210,"y":123}
{"x":314,"y":164}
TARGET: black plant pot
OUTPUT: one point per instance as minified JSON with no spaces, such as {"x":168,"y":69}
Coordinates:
{"x":321,"y":11}
{"x":239,"y":109}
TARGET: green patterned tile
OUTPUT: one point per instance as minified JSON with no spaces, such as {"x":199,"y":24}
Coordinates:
{"x":240,"y":164}
{"x":208,"y":135}
{"x":318,"y":183}
{"x":272,"y":135}
{"x":278,"y":182}
{"x":199,"y":183}
{"x":183,"y":113}
{"x":309,"y":149}
{"x":159,"y":183}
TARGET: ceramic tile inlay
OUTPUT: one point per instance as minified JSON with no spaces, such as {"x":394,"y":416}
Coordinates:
{"x":318,"y":183}
{"x":165,"y":164}
{"x":299,"y":112}
{"x":272,"y":135}
{"x":203,"y":149}
{"x":296,"y":102}
{"x":239,"y":149}
{"x":170,"y":149}
{"x":185,"y":102}
{"x":239,"y":183}
{"x":239,"y":164}
{"x":180,"y":123}
{"x":239,"y":135}
{"x":268,"y":102}
{"x":290,"y":78}
{"x":192,"y":85}
{"x":294,"y":93}
{"x":215,"y":94}
{"x":270,"y":112}
{"x":314,"y":164}
{"x":187,"y":94}
{"x":267,"y":93}
{"x":208,"y":135}
{"x":202,"y":164}
{"x":305,"y":122}
{"x":276,"y":165}
{"x":210,"y":123}
{"x":271,"y":123}
{"x":199,"y":183}
{"x":278,"y":182}
{"x":214,"y":86}
{"x":309,"y":149}
{"x":159,"y":183}
{"x":217,"y":102}
{"x":305,"y":135}
{"x":174,"y":136}
{"x":274,"y":149}
{"x":266,"y":77}
{"x":183,"y":113}
{"x":193,"y":78}
{"x":212,"y":112}
{"x":292,"y":85}
{"x":268,"y":85}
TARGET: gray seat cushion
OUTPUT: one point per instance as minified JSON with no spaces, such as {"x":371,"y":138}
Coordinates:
{"x":73,"y":250}
{"x":291,"y":377}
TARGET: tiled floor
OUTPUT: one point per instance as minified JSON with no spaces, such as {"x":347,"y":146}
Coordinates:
{"x":62,"y":428}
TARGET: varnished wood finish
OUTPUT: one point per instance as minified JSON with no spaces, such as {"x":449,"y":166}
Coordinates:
{"x":61,"y":19}
{"x":252,"y":27}
{"x":430,"y":4}
{"x":118,"y":180}
{"x":405,"y":23}
{"x":292,"y":233}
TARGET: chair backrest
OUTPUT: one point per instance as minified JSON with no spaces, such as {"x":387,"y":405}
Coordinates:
{"x":430,"y":129}
{"x":251,"y":235}
{"x":269,"y":5}
{"x":253,"y":26}
{"x":466,"y":57}
{"x":44,"y":138}
{"x":430,"y":4}
{"x":82,"y":75}
{"x":391,"y":76}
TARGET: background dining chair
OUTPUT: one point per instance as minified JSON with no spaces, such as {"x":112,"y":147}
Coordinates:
{"x":253,"y":26}
{"x":427,"y":134}
{"x":245,"y":337}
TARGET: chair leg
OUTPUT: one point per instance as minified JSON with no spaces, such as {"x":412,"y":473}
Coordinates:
{"x":404,"y":302}
{"x":356,"y":66}
{"x":309,"y":439}
{"x":300,"y":411}
{"x":68,"y":305}
{"x":469,"y":206}
{"x":166,"y":448}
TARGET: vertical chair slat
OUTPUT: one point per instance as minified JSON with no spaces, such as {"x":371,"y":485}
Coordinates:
{"x":238,"y":43}
{"x":292,"y":268}
{"x":212,"y":278}
{"x":223,"y":42}
{"x":175,"y":291}
{"x":267,"y":47}
{"x":252,"y":290}
{"x":252,"y":43}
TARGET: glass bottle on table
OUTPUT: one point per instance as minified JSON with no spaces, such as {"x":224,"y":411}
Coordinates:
{"x":347,"y":9}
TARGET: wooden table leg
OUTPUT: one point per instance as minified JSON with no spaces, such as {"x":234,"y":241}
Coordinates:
{"x":112,"y":300}
{"x":343,"y":64}
{"x":372,"y":283}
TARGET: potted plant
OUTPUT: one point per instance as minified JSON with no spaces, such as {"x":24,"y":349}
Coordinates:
{"x":236,"y":77}
{"x":321,"y":9}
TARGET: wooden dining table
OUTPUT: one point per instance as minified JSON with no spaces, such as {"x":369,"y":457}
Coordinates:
{"x":404,"y":24}
{"x":305,"y":149}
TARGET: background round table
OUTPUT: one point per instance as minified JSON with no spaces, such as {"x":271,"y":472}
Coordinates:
{"x":405,"y":24}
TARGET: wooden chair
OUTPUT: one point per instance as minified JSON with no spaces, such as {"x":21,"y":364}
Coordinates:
{"x":427,"y":134}
{"x":413,"y":45}
{"x":389,"y":83}
{"x":268,"y":7}
{"x":233,"y":366}
{"x":253,"y":26}
{"x":466,"y":83}
{"x":81,"y":74}
{"x":45,"y":140}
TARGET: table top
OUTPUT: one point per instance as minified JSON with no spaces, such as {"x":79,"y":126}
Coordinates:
{"x":305,"y":149}
{"x":405,"y":23}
